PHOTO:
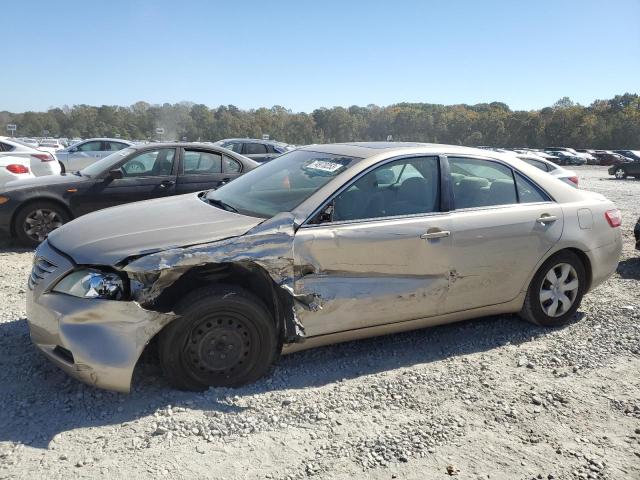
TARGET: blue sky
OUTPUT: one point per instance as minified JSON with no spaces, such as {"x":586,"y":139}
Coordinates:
{"x":306,"y":54}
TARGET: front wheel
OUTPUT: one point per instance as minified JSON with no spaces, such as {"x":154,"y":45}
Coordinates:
{"x":225,"y":337}
{"x":37,"y":220}
{"x":620,"y":173}
{"x":556,"y":291}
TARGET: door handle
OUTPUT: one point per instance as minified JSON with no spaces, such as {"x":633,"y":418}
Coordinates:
{"x":225,"y":180}
{"x":435,"y":233}
{"x":546,"y":218}
{"x":166,"y":183}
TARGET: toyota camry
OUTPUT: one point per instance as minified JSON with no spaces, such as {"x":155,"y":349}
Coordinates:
{"x":326,"y":243}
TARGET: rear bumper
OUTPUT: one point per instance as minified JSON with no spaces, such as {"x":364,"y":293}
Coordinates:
{"x":604,"y":260}
{"x":99,"y":341}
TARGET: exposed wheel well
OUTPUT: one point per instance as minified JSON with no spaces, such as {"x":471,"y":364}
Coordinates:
{"x":246,"y":275}
{"x":37,"y":200}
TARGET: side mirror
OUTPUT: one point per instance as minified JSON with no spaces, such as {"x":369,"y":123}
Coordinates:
{"x":115,"y":174}
{"x":73,"y":150}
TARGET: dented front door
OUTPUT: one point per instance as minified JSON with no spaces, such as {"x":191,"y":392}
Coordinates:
{"x":372,"y":272}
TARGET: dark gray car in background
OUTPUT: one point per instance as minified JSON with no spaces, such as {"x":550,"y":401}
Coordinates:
{"x":256,"y":149}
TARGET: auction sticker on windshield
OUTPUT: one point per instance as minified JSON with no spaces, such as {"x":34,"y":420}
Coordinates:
{"x":324,"y":166}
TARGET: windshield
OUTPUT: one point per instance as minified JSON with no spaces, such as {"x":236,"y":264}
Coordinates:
{"x":106,"y":163}
{"x":282,"y":184}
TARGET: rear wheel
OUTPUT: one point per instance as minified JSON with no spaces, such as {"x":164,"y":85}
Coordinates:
{"x":556,"y":291}
{"x":37,"y":220}
{"x":225,"y":337}
{"x":620,"y":173}
{"x":62,"y":168}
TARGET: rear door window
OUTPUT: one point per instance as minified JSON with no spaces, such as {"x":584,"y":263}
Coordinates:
{"x":481,"y":183}
{"x":197,"y":162}
{"x":95,"y":146}
{"x":230,"y":165}
{"x":528,"y":192}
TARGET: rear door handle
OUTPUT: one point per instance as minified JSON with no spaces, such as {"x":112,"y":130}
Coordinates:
{"x":432,"y":233}
{"x":544,"y":218}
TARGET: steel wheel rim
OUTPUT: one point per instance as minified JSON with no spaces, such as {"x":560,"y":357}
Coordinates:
{"x":559,"y":290}
{"x":620,"y":173}
{"x":41,"y":222}
{"x":218,"y":347}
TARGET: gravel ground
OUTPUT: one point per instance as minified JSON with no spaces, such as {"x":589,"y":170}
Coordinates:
{"x":492,"y":398}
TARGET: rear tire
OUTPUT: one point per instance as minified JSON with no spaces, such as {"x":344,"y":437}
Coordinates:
{"x":556,"y":291}
{"x":36,"y":220}
{"x":620,"y":173}
{"x":225,"y":337}
{"x":62,"y":168}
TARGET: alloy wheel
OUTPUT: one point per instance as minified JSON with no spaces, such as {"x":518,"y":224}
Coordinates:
{"x":620,"y":173}
{"x":41,"y":222}
{"x":559,"y":290}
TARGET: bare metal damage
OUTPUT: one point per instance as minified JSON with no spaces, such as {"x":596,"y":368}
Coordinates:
{"x":268,"y":245}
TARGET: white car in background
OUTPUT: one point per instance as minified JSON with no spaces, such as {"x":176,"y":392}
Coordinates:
{"x":555,"y":170}
{"x":50,"y":145}
{"x":14,"y":168}
{"x":41,"y":163}
{"x":81,"y":155}
{"x":30,"y":142}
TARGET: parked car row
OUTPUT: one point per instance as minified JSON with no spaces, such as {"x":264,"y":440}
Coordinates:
{"x":31,"y":209}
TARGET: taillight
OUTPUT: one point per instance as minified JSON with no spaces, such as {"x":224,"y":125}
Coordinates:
{"x":16,"y":168}
{"x":574,"y":180}
{"x":614,"y":217}
{"x":43,"y":157}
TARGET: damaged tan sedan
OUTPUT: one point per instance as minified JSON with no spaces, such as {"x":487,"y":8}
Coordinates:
{"x":325,"y":244}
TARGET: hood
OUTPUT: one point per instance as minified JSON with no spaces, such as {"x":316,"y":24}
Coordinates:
{"x":107,"y":237}
{"x":44,"y":182}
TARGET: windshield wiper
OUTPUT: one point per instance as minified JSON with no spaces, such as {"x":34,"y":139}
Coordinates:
{"x":222,"y":205}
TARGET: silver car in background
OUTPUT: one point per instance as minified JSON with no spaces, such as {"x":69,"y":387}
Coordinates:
{"x":325,"y":244}
{"x":81,"y":155}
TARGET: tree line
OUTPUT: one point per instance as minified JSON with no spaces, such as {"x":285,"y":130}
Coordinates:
{"x":613,"y":123}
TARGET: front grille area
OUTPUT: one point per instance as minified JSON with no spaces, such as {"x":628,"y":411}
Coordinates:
{"x":41,"y":268}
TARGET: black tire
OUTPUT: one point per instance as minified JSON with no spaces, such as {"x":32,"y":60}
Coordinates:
{"x":620,"y":173}
{"x":62,"y":168}
{"x":48,"y":223}
{"x":533,"y":309}
{"x":225,"y":337}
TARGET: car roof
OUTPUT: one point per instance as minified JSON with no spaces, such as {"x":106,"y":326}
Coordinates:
{"x":104,"y":139}
{"x":369,"y":149}
{"x":251,"y":140}
{"x":140,"y":146}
